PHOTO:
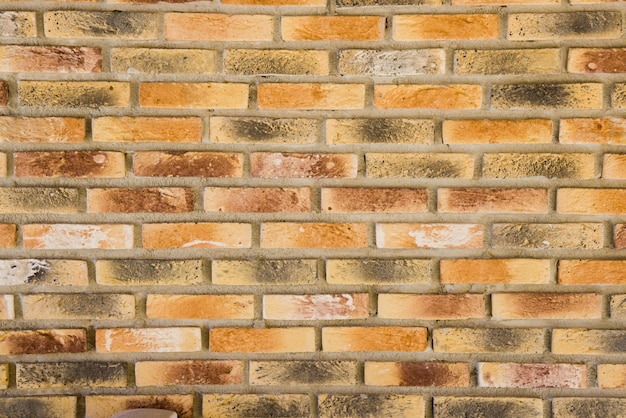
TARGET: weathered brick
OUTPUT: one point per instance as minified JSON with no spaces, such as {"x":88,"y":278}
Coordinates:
{"x":80,"y":164}
{"x":370,"y":405}
{"x":497,"y":131}
{"x":323,"y":96}
{"x":618,"y":306}
{"x":492,"y":200}
{"x":74,"y":94}
{"x":266,"y":340}
{"x":276,"y":61}
{"x":445,"y":27}
{"x":551,"y":166}
{"x":3,"y":164}
{"x":593,"y":131}
{"x":303,"y":372}
{"x":42,"y":130}
{"x":43,"y":341}
{"x":364,"y":3}
{"x":575,"y":25}
{"x":151,"y":340}
{"x":144,"y":129}
{"x":39,"y":200}
{"x":417,"y":374}
{"x":591,"y":201}
{"x":200,"y":306}
{"x":8,"y":235}
{"x":87,"y":24}
{"x":4,"y":376}
{"x":546,"y":305}
{"x":313,"y":235}
{"x":419,"y":165}
{"x":292,"y":165}
{"x":187,"y":164}
{"x":233,"y":405}
{"x":547,"y":96}
{"x":264,"y":272}
{"x":40,"y":406}
{"x":276,"y":2}
{"x":264,"y":130}
{"x":163,"y":61}
{"x":197,"y":235}
{"x":379,"y":63}
{"x":495,"y":271}
{"x":431,"y":307}
{"x":507,"y":61}
{"x":588,"y":341}
{"x":43,"y":272}
{"x":489,"y":340}
{"x":190,"y":372}
{"x":502,"y":2}
{"x":63,"y":374}
{"x":514,"y":375}
{"x":596,"y":60}
{"x":386,"y":200}
{"x":380,"y":131}
{"x":332,"y":28}
{"x":148,"y":272}
{"x":162,"y":199}
{"x":218,"y":27}
{"x":378,"y":271}
{"x":245,"y":199}
{"x":7,"y":307}
{"x":613,"y":166}
{"x":607,"y":272}
{"x":14,"y":23}
{"x":78,"y":306}
{"x":78,"y":236}
{"x":503,"y":407}
{"x":107,"y":406}
{"x":421,"y":96}
{"x":405,"y":235}
{"x":194,"y":95}
{"x":588,"y":407}
{"x":4,"y":94}
{"x":347,"y":339}
{"x":47,"y":59}
{"x":316,"y":307}
{"x":612,"y":376}
{"x":547,"y":236}
{"x":618,"y":96}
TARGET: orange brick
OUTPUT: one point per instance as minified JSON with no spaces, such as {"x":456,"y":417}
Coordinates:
{"x":45,"y":59}
{"x":316,"y":307}
{"x":189,"y":372}
{"x":332,"y":28}
{"x":384,"y":200}
{"x":107,"y":406}
{"x":576,"y":25}
{"x":612,"y":376}
{"x":489,"y":340}
{"x":80,"y":164}
{"x":587,"y":341}
{"x":163,"y":199}
{"x":591,"y":201}
{"x":403,"y":235}
{"x":415,"y":96}
{"x":218,"y":27}
{"x":607,"y":272}
{"x":8,"y":235}
{"x":151,"y":340}
{"x":445,"y":27}
{"x":143,"y":129}
{"x":593,"y":131}
{"x":266,"y":340}
{"x":78,"y":236}
{"x":546,"y":305}
{"x":4,"y":93}
{"x":497,"y":131}
{"x":7,"y":308}
{"x":619,"y":236}
{"x":41,"y":130}
{"x":200,"y":306}
{"x":43,"y":341}
{"x":311,"y":96}
{"x":432,"y":307}
{"x":283,"y":165}
{"x":345,"y":339}
{"x":313,"y":235}
{"x":417,"y":374}
{"x":241,"y":199}
{"x":194,"y":95}
{"x":495,"y":271}
{"x":613,"y":166}
{"x":87,"y":24}
{"x":276,"y":2}
{"x":91,"y":306}
{"x":596,"y":60}
{"x":197,"y":235}
{"x":514,"y":375}
{"x":479,"y":200}
{"x":187,"y":164}
{"x":73,"y":94}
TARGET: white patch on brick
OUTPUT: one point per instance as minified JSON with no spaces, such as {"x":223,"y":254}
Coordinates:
{"x":16,"y":272}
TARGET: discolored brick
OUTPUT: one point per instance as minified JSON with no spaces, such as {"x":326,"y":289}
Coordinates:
{"x":374,"y":338}
{"x":378,"y":271}
{"x":303,"y":96}
{"x":384,"y":200}
{"x":39,"y":200}
{"x":8,"y":235}
{"x":42,"y":130}
{"x":386,"y":63}
{"x":276,"y":61}
{"x":591,"y":201}
{"x":547,"y":96}
{"x":196,"y":235}
{"x":232,"y":405}
{"x":264,"y":272}
{"x":588,"y":407}
{"x":512,"y":375}
{"x":57,"y":406}
{"x":419,"y":165}
{"x":417,"y":374}
{"x":78,"y":306}
{"x":431,"y":307}
{"x":546,"y":305}
{"x":618,"y":95}
{"x":3,"y":164}
{"x":148,"y":340}
{"x":507,"y":61}
{"x":7,"y":307}
{"x":43,"y":272}
{"x":489,"y":340}
{"x":78,"y":236}
{"x":332,"y":28}
{"x":551,"y":166}
{"x":617,"y":306}
{"x":87,"y":24}
{"x":264,"y":130}
{"x":74,"y":94}
{"x":370,"y":405}
{"x":380,"y":131}
{"x":316,"y":307}
{"x":612,"y":376}
{"x":200,"y":306}
{"x":18,"y":23}
{"x":593,"y":131}
{"x":303,"y":372}
{"x":4,"y":376}
{"x":573,"y":25}
{"x":64,"y":374}
{"x":313,"y":235}
{"x":218,"y":27}
{"x":497,"y":131}
{"x":502,"y":2}
{"x":105,"y":406}
{"x":276,"y":2}
{"x":495,"y":271}
{"x":422,"y":27}
{"x":503,"y":407}
{"x":163,"y":200}
{"x":596,"y":60}
{"x":410,"y":235}
{"x":607,"y":272}
{"x":49,"y":59}
{"x":187,"y":164}
{"x":588,"y":341}
{"x":267,"y":340}
{"x":147,"y":272}
{"x":194,"y":95}
{"x":163,"y":61}
{"x":78,"y":164}
{"x":146,"y":129}
{"x":416,"y":96}
{"x":292,"y":165}
{"x":613,"y":166}
{"x":190,"y":372}
{"x":241,"y":199}
{"x":492,"y":200}
{"x":43,"y":341}
{"x":4,"y":94}
{"x":547,"y":236}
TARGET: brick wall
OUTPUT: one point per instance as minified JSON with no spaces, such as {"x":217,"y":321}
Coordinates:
{"x":313,"y":208}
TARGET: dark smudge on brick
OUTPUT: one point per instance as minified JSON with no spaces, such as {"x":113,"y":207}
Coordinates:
{"x":71,"y":373}
{"x":282,"y":271}
{"x":27,"y":408}
{"x":582,"y":22}
{"x":385,"y":130}
{"x":44,"y":342}
{"x":70,"y":163}
{"x":144,"y":272}
{"x":187,"y":164}
{"x":305,"y":372}
{"x":425,"y":374}
{"x":370,"y":405}
{"x":484,"y":408}
{"x":532,"y":95}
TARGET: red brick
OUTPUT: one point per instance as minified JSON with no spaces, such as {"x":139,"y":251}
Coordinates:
{"x":313,"y":235}
{"x":165,"y":200}
{"x":316,"y":307}
{"x":187,"y":164}
{"x":283,"y":165}
{"x":242,"y":199}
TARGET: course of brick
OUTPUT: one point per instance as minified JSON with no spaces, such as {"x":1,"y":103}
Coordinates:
{"x":313,"y":208}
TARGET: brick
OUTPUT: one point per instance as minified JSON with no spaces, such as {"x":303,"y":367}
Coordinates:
{"x":313,"y":235}
{"x":416,"y":96}
{"x":163,"y":61}
{"x":162,"y":199}
{"x":411,"y":235}
{"x":417,"y":374}
{"x":149,"y":340}
{"x":596,"y":60}
{"x":43,"y":406}
{"x":267,"y":340}
{"x":424,"y":27}
{"x":531,"y":131}
{"x":43,"y":341}
{"x":8,"y":235}
{"x":194,"y":95}
{"x":14,"y":23}
{"x":504,"y":407}
{"x":618,"y":96}
{"x":431,"y":306}
{"x":200,"y":306}
{"x":607,"y":272}
{"x":507,"y":61}
{"x":7,"y":307}
{"x":78,"y":306}
{"x":39,"y":200}
{"x":4,"y":94}
{"x":588,"y":341}
{"x":591,"y":201}
{"x":618,"y":306}
{"x":42,"y":130}
{"x":593,"y":131}
{"x":276,"y":61}
{"x":419,"y":165}
{"x":378,"y":63}
{"x":611,"y":376}
{"x":489,"y":340}
{"x":495,"y":271}
{"x":107,"y":406}
{"x":385,"y":200}
{"x":380,"y":131}
{"x":370,"y":405}
{"x":197,"y":235}
{"x":49,"y":59}
{"x":276,"y":2}
{"x":74,"y":94}
{"x":332,"y":28}
{"x":492,"y":200}
{"x":547,"y":236}
{"x":75,"y":236}
{"x":187,"y":164}
{"x":115,"y":24}
{"x":78,"y":164}
{"x":348,"y":339}
{"x":4,"y":376}
{"x":293,"y":165}
{"x":264,"y":272}
{"x":143,"y":129}
{"x":364,"y":3}
{"x":234,"y":405}
{"x":378,"y":271}
{"x":264,"y":130}
{"x":63,"y":374}
{"x":43,"y":272}
{"x":576,"y":25}
{"x":586,"y":407}
{"x":613,"y":166}
{"x":303,"y":372}
{"x":316,"y":307}
{"x":190,"y":372}
{"x":551,"y":166}
{"x":3,"y":164}
{"x":502,"y":2}
{"x":218,"y":27}
{"x":150,"y":1}
{"x":547,"y":96}
{"x":322,"y":96}
{"x":135,"y":272}
{"x":546,"y":305}
{"x":259,"y":200}
{"x":512,"y":375}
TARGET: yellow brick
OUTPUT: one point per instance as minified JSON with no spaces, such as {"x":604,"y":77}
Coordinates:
{"x":190,"y":372}
{"x":163,"y":61}
{"x":264,"y":272}
{"x":194,"y":95}
{"x":593,"y":131}
{"x":143,"y":129}
{"x":332,"y":28}
{"x":276,"y":61}
{"x":13,"y":23}
{"x":74,"y":94}
{"x":218,"y":27}
{"x":445,"y":27}
{"x":587,"y":341}
{"x":546,"y":96}
{"x":612,"y":376}
{"x":383,"y":131}
{"x":414,"y":96}
{"x":576,"y":25}
{"x":489,"y":340}
{"x":370,"y":405}
{"x":422,"y":165}
{"x":117,"y":24}
{"x":550,"y":166}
